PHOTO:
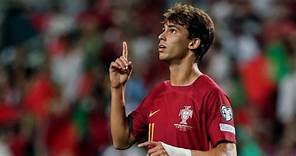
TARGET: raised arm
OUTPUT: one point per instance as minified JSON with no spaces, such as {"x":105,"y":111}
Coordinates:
{"x":119,"y":73}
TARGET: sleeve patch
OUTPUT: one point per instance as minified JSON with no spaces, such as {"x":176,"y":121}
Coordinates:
{"x":227,"y":128}
{"x":226,"y":112}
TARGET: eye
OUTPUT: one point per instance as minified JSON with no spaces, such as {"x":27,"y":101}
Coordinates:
{"x":172,"y":30}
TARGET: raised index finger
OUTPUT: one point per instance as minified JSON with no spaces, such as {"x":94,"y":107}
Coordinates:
{"x":124,"y":49}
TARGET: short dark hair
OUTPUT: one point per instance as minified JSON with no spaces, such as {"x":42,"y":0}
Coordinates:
{"x":198,"y":23}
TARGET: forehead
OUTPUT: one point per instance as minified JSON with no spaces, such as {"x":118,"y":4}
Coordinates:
{"x":172,"y":24}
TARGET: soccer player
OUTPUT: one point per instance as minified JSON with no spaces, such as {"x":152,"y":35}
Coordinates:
{"x":186,"y":115}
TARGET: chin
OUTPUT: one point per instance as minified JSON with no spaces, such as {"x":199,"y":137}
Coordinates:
{"x":163,"y":59}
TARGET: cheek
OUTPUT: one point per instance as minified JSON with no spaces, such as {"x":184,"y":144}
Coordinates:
{"x":180,"y":45}
{"x":178,"y":49}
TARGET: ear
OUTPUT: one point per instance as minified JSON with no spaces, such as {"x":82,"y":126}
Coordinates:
{"x":194,"y":43}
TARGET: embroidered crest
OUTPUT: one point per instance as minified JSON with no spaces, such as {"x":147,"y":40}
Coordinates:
{"x":185,"y":114}
{"x":226,"y":112}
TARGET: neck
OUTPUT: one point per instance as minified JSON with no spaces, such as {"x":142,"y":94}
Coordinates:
{"x":184,"y":73}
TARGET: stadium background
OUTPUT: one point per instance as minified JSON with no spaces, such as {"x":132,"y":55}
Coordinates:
{"x":55,"y":54}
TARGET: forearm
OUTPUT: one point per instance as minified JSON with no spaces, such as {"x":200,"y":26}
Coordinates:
{"x":119,"y":126}
{"x":223,"y":149}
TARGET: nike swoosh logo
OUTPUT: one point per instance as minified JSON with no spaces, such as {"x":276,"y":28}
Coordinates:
{"x":152,"y":113}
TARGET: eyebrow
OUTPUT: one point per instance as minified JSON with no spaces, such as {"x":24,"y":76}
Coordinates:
{"x":172,"y":26}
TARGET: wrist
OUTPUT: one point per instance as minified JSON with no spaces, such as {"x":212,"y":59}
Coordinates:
{"x":119,"y":87}
{"x":176,"y":151}
{"x":118,"y":90}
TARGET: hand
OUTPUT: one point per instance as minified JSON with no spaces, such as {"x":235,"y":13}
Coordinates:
{"x":154,"y":148}
{"x":120,"y":69}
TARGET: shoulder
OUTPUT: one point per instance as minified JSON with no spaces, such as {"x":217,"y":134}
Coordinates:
{"x":158,"y":89}
{"x":214,"y":97}
{"x":208,"y":86}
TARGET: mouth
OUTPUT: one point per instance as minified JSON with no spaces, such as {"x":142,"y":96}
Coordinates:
{"x":161,"y":47}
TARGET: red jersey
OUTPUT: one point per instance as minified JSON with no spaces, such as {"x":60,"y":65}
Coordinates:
{"x":196,"y":117}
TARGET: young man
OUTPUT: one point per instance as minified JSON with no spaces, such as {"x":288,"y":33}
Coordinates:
{"x":186,"y":115}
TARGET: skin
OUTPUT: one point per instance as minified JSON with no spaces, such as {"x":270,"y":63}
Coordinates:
{"x":176,"y":49}
{"x":119,"y":72}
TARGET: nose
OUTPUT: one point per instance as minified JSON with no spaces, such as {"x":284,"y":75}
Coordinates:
{"x":161,"y":36}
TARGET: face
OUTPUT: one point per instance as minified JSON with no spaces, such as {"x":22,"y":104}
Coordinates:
{"x":173,"y":42}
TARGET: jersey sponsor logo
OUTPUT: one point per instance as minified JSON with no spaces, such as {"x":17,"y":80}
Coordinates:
{"x":227,"y":128}
{"x":185,"y":114}
{"x":226,"y":112}
{"x":153,"y":113}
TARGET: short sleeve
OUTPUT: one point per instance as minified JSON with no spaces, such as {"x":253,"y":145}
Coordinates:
{"x":138,"y":121}
{"x":220,"y":122}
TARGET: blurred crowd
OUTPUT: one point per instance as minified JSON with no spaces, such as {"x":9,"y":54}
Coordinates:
{"x":55,"y":56}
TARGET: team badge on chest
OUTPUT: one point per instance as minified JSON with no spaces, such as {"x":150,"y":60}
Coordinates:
{"x":184,"y":114}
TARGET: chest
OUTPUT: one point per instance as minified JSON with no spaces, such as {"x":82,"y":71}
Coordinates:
{"x":180,"y":112}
